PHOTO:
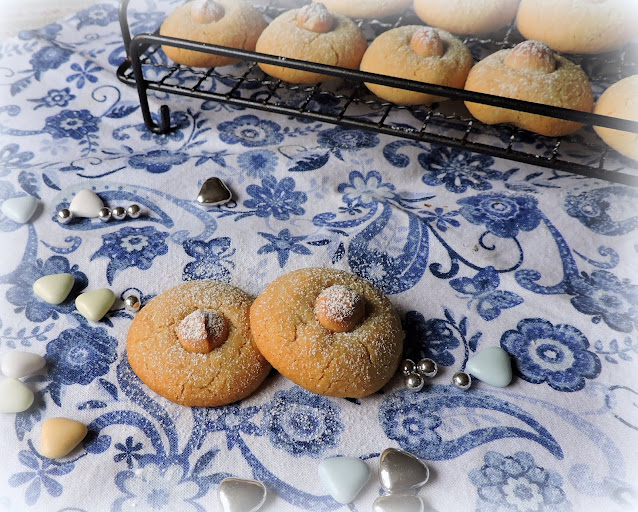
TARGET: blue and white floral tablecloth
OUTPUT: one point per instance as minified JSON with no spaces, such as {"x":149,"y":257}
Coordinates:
{"x":474,"y":252}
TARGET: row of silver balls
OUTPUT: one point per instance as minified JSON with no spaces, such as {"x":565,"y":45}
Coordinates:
{"x":105,"y":214}
{"x":415,"y":374}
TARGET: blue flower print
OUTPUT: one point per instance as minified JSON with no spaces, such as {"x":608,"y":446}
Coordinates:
{"x":365,"y":191}
{"x":503,"y":215}
{"x":441,"y":219}
{"x":54,"y":98}
{"x":128,"y":452}
{"x":231,"y":419}
{"x":212,"y":259}
{"x":75,"y":124}
{"x":258,"y":163}
{"x":80,"y":355}
{"x":483,"y":288}
{"x":429,"y":338}
{"x":131,"y":247}
{"x":516,"y":484}
{"x":49,"y":57}
{"x":83,"y":74}
{"x":21,"y":293}
{"x":557,"y":354}
{"x":42,"y":473}
{"x":99,"y":14}
{"x":458,"y":170}
{"x":604,"y":295}
{"x":179,"y":121}
{"x":346,"y":139}
{"x":410,"y":423}
{"x":283,"y":244}
{"x":598,"y":209}
{"x":157,"y":161}
{"x":47,"y":32}
{"x":11,"y":158}
{"x":302,"y":423}
{"x":250,"y":131}
{"x":156,"y":487}
{"x":278,"y":199}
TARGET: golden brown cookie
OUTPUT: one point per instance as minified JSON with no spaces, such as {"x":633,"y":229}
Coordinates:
{"x":620,"y":100}
{"x":367,"y":8}
{"x":231,"y":23}
{"x":467,"y":17}
{"x":579,"y":26}
{"x":294,"y":330}
{"x":192,"y":344}
{"x":531,"y":72}
{"x":312,"y":34}
{"x":417,"y":53}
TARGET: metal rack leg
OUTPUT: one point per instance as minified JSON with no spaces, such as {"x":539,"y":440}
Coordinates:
{"x":142,"y":90}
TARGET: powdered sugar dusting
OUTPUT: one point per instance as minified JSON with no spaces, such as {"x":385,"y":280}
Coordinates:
{"x":338,"y":302}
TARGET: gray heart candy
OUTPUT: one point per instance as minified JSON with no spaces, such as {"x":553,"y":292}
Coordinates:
{"x":237,"y":495}
{"x":214,"y":192}
{"x":400,"y":472}
{"x":398,"y":503}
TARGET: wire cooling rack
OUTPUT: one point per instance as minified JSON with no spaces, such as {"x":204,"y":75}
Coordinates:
{"x":347,"y":102}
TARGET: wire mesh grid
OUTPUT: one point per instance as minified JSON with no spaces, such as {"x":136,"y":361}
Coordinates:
{"x":349,"y":103}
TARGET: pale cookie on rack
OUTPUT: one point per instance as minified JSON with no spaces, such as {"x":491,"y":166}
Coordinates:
{"x":193,"y":345}
{"x":368,"y":9}
{"x":418,"y":53}
{"x":231,"y":23}
{"x":620,"y":100}
{"x":328,"y":331}
{"x":579,"y":26}
{"x":467,"y":17}
{"x":312,"y":34}
{"x":530,"y":72}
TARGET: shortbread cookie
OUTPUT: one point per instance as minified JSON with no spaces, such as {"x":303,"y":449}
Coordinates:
{"x":328,"y":331}
{"x":192,"y":344}
{"x":620,"y":100}
{"x":467,"y":17}
{"x":312,"y":34}
{"x":530,"y":72}
{"x":579,"y":26}
{"x":231,"y":23}
{"x":367,"y":8}
{"x":417,"y":53}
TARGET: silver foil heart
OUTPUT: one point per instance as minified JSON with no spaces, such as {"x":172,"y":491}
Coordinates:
{"x":237,"y":495}
{"x":401,"y":472}
{"x":214,"y":192}
{"x":398,"y":503}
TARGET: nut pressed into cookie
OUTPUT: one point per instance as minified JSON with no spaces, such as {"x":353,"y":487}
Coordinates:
{"x":192,"y":344}
{"x":328,"y":331}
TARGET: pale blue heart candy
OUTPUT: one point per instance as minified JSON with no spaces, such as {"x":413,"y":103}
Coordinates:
{"x":492,"y":366}
{"x":20,"y":209}
{"x":398,"y":503}
{"x":344,"y":477}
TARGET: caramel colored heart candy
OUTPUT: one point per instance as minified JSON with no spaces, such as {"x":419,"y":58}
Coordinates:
{"x":60,"y":436}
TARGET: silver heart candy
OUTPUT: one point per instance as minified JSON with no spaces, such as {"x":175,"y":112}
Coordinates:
{"x":214,"y":192}
{"x":398,"y":503}
{"x":237,"y":495}
{"x":400,"y":472}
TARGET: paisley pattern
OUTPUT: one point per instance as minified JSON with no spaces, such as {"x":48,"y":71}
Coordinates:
{"x":472,"y":251}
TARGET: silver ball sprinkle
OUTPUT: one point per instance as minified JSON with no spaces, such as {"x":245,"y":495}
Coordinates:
{"x":118,"y":213}
{"x":65,"y":216}
{"x":104,"y":214}
{"x":414,"y":382}
{"x":462,"y":380}
{"x":132,"y":303}
{"x":427,"y":367}
{"x":407,"y":366}
{"x":134,"y":211}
